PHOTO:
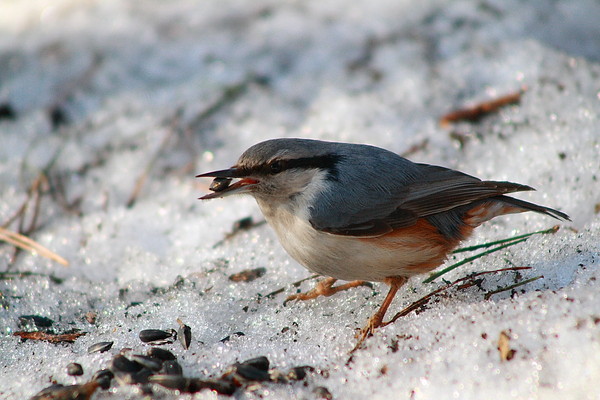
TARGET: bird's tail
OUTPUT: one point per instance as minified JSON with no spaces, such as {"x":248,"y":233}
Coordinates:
{"x":500,"y":205}
{"x":522,"y":206}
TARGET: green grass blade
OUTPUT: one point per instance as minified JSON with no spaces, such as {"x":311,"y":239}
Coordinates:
{"x":436,"y":275}
{"x":497,"y":242}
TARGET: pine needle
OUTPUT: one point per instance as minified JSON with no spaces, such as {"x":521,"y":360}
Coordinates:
{"x":510,"y":287}
{"x":25,"y":243}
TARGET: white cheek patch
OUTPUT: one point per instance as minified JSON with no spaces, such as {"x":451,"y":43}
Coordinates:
{"x":316,"y":183}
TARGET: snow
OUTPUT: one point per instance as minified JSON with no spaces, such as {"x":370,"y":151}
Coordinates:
{"x":167,"y":90}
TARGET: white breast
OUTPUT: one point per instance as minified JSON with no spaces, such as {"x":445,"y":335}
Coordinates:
{"x":342,"y":257}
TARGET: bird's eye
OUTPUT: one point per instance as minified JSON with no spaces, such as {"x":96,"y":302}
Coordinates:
{"x":276,"y":167}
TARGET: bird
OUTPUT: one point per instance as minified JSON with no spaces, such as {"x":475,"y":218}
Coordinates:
{"x":360,"y":213}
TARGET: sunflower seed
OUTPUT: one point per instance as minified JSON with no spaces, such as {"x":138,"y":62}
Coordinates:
{"x":100,"y":347}
{"x":141,"y":376}
{"x":220,"y":184}
{"x":74,"y":369}
{"x":250,"y":373}
{"x":158,"y":336}
{"x":171,"y":367}
{"x":103,"y":378}
{"x":120,"y":363}
{"x":148,"y":362}
{"x":261,"y":363}
{"x":193,"y":385}
{"x":185,"y":334}
{"x":161,"y":354}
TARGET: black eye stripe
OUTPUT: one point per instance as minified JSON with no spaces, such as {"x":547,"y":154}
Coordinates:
{"x":327,"y":162}
{"x":319,"y":162}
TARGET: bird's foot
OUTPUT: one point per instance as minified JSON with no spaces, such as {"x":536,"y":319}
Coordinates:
{"x":326,"y":288}
{"x":376,"y":321}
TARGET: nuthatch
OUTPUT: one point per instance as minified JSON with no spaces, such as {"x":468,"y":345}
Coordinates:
{"x":361,"y":213}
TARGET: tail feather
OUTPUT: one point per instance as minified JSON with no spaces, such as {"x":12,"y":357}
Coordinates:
{"x":527,"y":206}
{"x":460,"y":221}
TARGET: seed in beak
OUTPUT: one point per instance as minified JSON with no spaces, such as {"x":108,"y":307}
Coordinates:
{"x":220,"y":184}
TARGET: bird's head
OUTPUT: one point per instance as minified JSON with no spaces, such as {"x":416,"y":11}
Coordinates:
{"x":277,"y":169}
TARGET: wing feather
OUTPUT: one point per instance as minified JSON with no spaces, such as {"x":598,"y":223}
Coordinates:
{"x":367,"y":205}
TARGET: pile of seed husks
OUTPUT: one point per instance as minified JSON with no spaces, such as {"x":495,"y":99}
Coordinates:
{"x":160,"y":367}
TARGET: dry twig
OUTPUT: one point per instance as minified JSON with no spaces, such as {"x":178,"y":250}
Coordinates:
{"x":467,"y":282}
{"x":482,"y":109}
{"x":49,"y":337}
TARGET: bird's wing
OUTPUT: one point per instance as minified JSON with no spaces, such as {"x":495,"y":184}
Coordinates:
{"x":373,"y":210}
{"x":443,"y":189}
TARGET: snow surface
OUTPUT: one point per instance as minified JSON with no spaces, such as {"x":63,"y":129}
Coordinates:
{"x":172,"y":89}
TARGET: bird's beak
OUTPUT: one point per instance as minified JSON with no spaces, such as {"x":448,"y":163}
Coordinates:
{"x":222,"y":186}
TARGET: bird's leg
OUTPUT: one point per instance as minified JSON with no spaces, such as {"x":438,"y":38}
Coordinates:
{"x":376,"y":319}
{"x":326,"y":288}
